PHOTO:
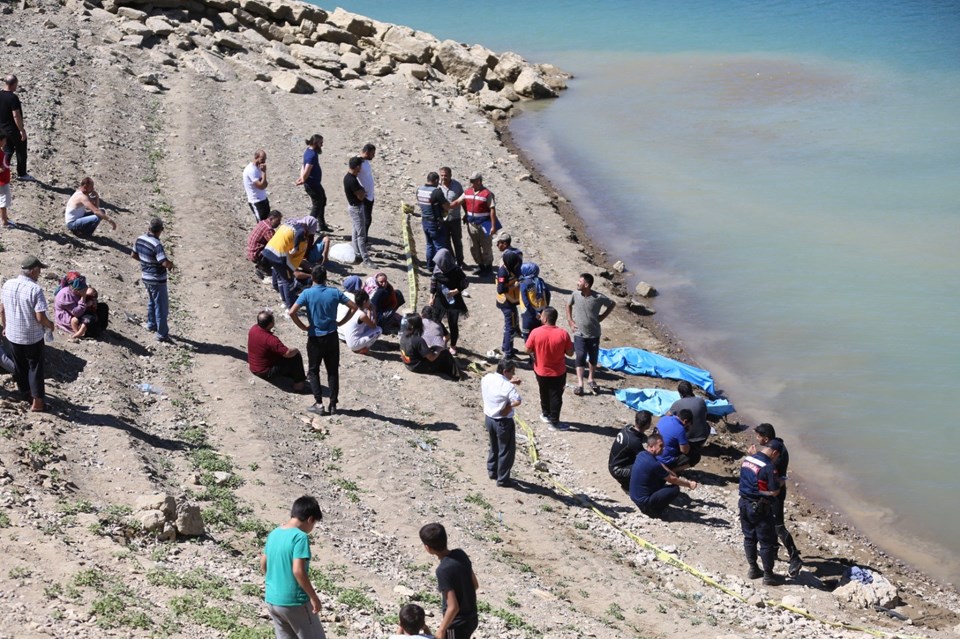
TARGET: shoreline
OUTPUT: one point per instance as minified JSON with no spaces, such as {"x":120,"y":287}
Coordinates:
{"x":925,"y":560}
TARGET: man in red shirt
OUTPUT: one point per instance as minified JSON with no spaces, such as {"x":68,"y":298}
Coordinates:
{"x":269,"y":358}
{"x":550,"y":346}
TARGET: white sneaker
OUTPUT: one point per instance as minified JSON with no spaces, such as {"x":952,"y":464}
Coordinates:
{"x":544,"y":419}
{"x":27,"y":178}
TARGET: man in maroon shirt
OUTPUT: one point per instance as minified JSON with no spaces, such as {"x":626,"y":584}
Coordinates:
{"x":269,"y":358}
{"x":259,"y":237}
{"x":550,"y":346}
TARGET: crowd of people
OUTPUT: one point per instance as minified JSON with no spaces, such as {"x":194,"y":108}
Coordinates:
{"x":293,"y":255}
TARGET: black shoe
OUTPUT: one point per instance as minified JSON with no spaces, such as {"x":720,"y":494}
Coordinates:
{"x":794,"y":569}
{"x":506,"y":483}
{"x":317,"y":409}
{"x":332,"y":410}
{"x":772,"y":579}
{"x":754,"y":572}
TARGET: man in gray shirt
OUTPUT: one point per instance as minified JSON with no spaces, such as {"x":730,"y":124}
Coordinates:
{"x":699,"y":429}
{"x":585,"y":310}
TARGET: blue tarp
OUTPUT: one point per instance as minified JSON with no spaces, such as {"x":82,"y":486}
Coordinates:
{"x":640,"y":362}
{"x":658,"y":401}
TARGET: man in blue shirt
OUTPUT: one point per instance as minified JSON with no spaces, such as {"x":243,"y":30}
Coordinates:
{"x":323,"y":345}
{"x":759,"y":487}
{"x":649,"y":479}
{"x":673,"y":428}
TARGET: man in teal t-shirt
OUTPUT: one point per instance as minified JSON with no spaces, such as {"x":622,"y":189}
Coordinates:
{"x":291,"y":600}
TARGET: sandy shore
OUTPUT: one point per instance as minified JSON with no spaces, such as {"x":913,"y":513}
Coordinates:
{"x":404,"y":451}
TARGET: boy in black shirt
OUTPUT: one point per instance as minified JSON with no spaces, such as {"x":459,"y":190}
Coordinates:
{"x":456,"y":582}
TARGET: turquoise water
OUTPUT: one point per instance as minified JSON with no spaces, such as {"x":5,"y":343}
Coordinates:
{"x":790,"y":176}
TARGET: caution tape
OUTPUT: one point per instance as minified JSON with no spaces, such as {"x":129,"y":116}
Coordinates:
{"x":405,"y":211}
{"x":542,"y":471}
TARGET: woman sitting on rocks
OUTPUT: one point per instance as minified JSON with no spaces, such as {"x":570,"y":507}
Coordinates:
{"x":77,"y":310}
{"x":421,"y":358}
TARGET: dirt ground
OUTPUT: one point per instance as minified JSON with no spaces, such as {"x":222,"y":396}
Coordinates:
{"x":403,"y":451}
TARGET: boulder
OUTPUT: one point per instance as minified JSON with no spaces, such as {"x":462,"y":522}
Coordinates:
{"x":226,"y":40}
{"x":303,"y":11}
{"x":530,"y":83}
{"x":307,"y":27}
{"x":879,"y":593}
{"x":352,"y":61}
{"x":132,"y":27}
{"x":357,"y":25}
{"x":159,"y":26}
{"x":639,"y":308}
{"x":619,"y":266}
{"x":291,"y":83}
{"x":455,"y":60}
{"x":328,"y":33}
{"x":645,"y":290}
{"x":257,"y":8}
{"x":208,"y":65}
{"x":229,"y":22}
{"x":486,"y":57}
{"x":554,"y":77}
{"x":509,"y":67}
{"x":280,"y":58}
{"x":490,"y":100}
{"x":316,"y":57}
{"x":416,"y":72}
{"x":403,"y":44}
{"x":254,"y":37}
{"x":380,"y":67}
{"x":157,"y":501}
{"x":190,"y":521}
{"x":357,"y":85}
{"x":131,"y":14}
{"x":151,"y":520}
{"x":509,"y":94}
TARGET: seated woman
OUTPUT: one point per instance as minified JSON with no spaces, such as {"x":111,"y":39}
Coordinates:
{"x":534,"y":297}
{"x":386,"y":300}
{"x":421,"y":358}
{"x":82,"y":213}
{"x":446,"y":287}
{"x":434,"y":334}
{"x":77,"y":310}
{"x":361,"y":331}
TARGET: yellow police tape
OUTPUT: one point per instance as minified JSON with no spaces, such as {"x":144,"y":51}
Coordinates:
{"x":405,"y":211}
{"x":541,"y":469}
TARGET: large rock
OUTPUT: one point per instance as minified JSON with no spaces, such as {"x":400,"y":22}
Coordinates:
{"x":303,"y":11}
{"x":159,"y":26}
{"x":257,"y":8}
{"x":509,"y":67}
{"x":490,"y":100}
{"x":157,"y":501}
{"x":879,"y":593}
{"x":645,"y":290}
{"x":329,"y":33}
{"x":190,"y":521}
{"x":151,"y":520}
{"x":403,"y":44}
{"x":291,"y":83}
{"x":210,"y":66}
{"x":280,"y":58}
{"x":352,"y":61}
{"x":229,"y":22}
{"x":357,"y":25}
{"x":132,"y":27}
{"x":415,"y":72}
{"x":317,"y":57}
{"x":226,"y":40}
{"x":132,"y":14}
{"x":530,"y":83}
{"x":455,"y":60}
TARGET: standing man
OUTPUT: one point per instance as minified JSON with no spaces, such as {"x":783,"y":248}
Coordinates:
{"x":367,"y":153}
{"x":11,"y":121}
{"x":585,"y":310}
{"x":765,"y":434}
{"x":699,"y":427}
{"x":626,"y":446}
{"x":310,"y":178}
{"x":481,"y":220}
{"x":6,"y":197}
{"x":24,"y":315}
{"x":500,"y":398}
{"x":456,"y":582}
{"x":323,"y":346}
{"x":452,"y":190}
{"x":433,"y":208}
{"x":649,"y":479}
{"x":255,"y":184}
{"x":154,"y":266}
{"x":550,"y":346}
{"x":356,"y":195}
{"x":759,"y":487}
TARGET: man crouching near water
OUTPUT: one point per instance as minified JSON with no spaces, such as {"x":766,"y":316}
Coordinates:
{"x":759,"y":487}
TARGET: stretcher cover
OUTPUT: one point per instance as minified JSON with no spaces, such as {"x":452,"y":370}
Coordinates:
{"x":637,"y":361}
{"x":658,"y":401}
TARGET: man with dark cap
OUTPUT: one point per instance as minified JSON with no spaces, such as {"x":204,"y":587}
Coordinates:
{"x":23,"y":313}
{"x":154,"y":265}
{"x":11,"y":122}
{"x":766,"y":433}
{"x":759,"y":487}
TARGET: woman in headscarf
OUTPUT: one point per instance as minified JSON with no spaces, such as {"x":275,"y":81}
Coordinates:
{"x":534,"y":297}
{"x":446,"y":287}
{"x":386,"y":300}
{"x":421,"y":358}
{"x":77,"y":310}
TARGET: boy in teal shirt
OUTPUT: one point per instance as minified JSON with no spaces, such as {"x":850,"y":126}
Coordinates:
{"x":291,"y":600}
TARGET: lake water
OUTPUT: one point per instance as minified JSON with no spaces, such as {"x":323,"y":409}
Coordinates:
{"x":788,"y":174}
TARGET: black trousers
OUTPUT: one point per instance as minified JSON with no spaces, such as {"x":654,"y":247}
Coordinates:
{"x":324,"y":350}
{"x":368,"y":213}
{"x":318,"y":204}
{"x":97,"y":322}
{"x":18,"y":146}
{"x":551,"y":395}
{"x":28,"y":359}
{"x":291,"y":367}
{"x":782,"y":533}
{"x":759,"y":527}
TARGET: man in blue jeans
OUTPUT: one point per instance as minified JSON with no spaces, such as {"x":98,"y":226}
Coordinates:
{"x":154,"y":265}
{"x":323,"y":345}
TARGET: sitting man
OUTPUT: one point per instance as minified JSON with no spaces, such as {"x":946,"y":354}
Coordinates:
{"x":676,"y":447}
{"x":629,"y":442}
{"x":700,"y":428}
{"x":82,"y":213}
{"x":649,"y":479}
{"x":258,"y":238}
{"x":76,"y":308}
{"x":269,"y":358}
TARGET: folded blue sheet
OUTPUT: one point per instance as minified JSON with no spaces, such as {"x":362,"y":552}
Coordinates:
{"x":640,"y":362}
{"x":658,"y":401}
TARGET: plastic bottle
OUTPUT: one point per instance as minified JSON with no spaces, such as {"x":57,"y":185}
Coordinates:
{"x":150,"y":389}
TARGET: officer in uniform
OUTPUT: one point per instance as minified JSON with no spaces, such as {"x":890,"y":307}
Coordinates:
{"x":766,"y":433}
{"x":433,"y":209}
{"x":759,"y":487}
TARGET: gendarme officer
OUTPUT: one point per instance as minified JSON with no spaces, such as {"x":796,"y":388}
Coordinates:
{"x":759,"y":487}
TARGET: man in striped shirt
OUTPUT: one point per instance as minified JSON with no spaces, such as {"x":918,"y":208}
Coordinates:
{"x":154,"y":265}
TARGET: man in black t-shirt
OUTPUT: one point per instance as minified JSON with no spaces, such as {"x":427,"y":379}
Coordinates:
{"x":699,"y":430}
{"x":456,"y":582}
{"x":355,"y":195}
{"x":11,"y":122}
{"x":627,"y":445}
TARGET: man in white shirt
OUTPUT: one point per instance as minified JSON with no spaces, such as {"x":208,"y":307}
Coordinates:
{"x":368,"y":152}
{"x":500,"y":398}
{"x":255,"y":184}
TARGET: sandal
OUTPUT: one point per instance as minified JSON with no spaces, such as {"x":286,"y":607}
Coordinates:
{"x":595,"y":387}
{"x":578,"y":391}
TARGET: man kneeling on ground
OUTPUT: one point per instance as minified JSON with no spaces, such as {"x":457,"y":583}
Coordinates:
{"x":649,"y":479}
{"x":628,"y":444}
{"x":269,"y":358}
